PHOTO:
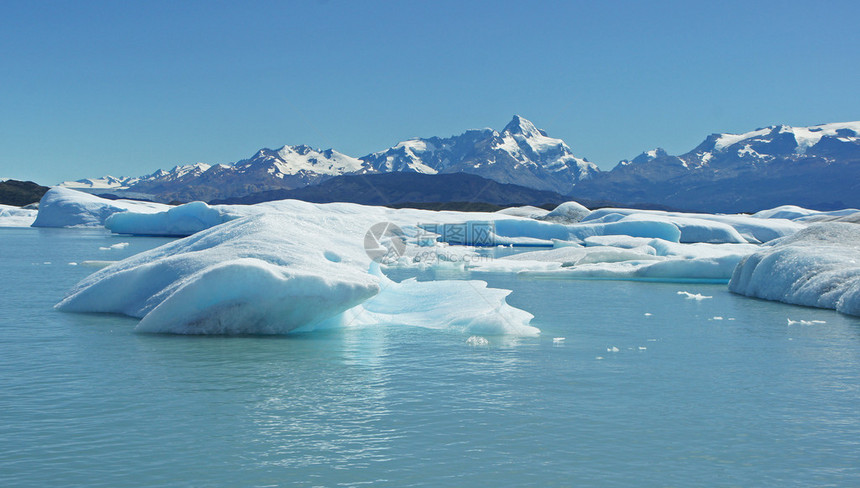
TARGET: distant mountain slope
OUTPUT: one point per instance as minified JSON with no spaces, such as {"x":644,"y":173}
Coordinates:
{"x":393,"y":189}
{"x":520,"y":154}
{"x":20,"y":193}
{"x":814,"y":167}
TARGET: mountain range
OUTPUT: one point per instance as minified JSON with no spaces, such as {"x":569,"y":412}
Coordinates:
{"x":816,"y":167}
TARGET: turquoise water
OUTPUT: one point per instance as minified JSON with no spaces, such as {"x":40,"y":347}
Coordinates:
{"x":746,"y":402}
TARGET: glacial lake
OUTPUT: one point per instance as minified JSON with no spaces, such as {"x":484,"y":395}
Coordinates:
{"x":715,"y":392}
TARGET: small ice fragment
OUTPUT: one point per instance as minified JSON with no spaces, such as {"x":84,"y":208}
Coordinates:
{"x":642,"y":348}
{"x":47,"y":262}
{"x":477,"y":341}
{"x":612,"y":349}
{"x":647,"y":314}
{"x":557,"y":340}
{"x":73,"y":264}
{"x":693,"y":296}
{"x":599,"y":357}
{"x":119,"y":245}
{"x":652,"y":340}
{"x":718,"y":318}
{"x":731,"y":318}
{"x":97,"y":264}
{"x":805,"y":322}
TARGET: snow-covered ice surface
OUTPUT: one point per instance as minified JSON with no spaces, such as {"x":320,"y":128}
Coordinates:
{"x":281,"y":266}
{"x":800,"y":214}
{"x":817,"y":267}
{"x":567,"y":213}
{"x":295,"y":266}
{"x":755,"y":230}
{"x":63,"y":207}
{"x":179,"y":221}
{"x":527,"y":211}
{"x":11,"y":216}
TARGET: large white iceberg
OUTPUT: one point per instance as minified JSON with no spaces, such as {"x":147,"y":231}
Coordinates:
{"x":817,"y":267}
{"x":62,"y":207}
{"x":295,"y":266}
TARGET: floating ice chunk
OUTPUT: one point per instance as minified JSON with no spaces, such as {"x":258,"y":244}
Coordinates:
{"x":11,"y":216}
{"x":693,"y":296}
{"x":180,"y":221}
{"x":819,"y":267}
{"x":73,"y":264}
{"x":612,"y":349}
{"x":92,"y":263}
{"x":525,"y":232}
{"x":119,"y":245}
{"x":557,"y":340}
{"x":806,"y":322}
{"x":477,"y":341}
{"x":567,"y":213}
{"x":526,"y":211}
{"x":753,"y":229}
{"x":793,"y":212}
{"x":694,"y":229}
{"x":62,"y":207}
{"x":717,"y":318}
{"x":462,"y":306}
{"x":643,"y":348}
{"x":274,"y":273}
{"x":648,"y":314}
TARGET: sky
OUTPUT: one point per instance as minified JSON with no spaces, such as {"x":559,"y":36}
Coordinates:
{"x":125,"y":88}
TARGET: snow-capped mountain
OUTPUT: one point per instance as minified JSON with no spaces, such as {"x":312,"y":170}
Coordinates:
{"x":815,"y":167}
{"x":809,"y":166}
{"x":103,"y":183}
{"x":521,"y":154}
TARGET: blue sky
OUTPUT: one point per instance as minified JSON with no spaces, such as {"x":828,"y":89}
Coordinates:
{"x":124,"y":88}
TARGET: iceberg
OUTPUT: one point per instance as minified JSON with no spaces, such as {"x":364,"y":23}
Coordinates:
{"x":179,"y":221}
{"x":627,"y":258}
{"x":528,"y":232}
{"x":800,"y":214}
{"x":752,"y":229}
{"x":295,"y":266}
{"x":527,"y":211}
{"x":62,"y":207}
{"x":11,"y":216}
{"x":567,"y":213}
{"x":817,"y":267}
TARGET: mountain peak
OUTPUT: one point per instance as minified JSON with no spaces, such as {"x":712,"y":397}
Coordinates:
{"x":519,"y":125}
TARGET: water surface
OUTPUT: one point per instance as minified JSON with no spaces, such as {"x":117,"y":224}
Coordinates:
{"x":686,"y":400}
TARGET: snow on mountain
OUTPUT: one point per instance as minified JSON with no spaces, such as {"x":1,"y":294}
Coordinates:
{"x":293,"y":160}
{"x":817,"y":166}
{"x":520,"y":154}
{"x":105,"y":182}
